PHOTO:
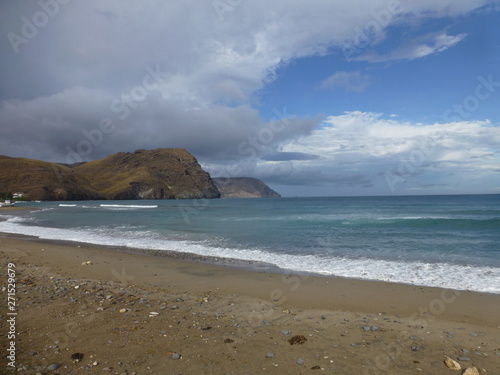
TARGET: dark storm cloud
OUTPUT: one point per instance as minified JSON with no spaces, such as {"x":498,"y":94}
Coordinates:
{"x":82,"y":124}
{"x":81,"y":80}
{"x":285,"y":156}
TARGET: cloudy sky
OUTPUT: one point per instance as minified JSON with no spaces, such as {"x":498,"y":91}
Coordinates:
{"x":321,"y":97}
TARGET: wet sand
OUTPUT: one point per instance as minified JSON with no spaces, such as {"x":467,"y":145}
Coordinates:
{"x":135,"y":312}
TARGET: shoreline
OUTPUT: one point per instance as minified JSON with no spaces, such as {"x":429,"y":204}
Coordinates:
{"x":235,"y":263}
{"x":113,"y":294}
{"x":476,"y":275}
{"x":405,"y":297}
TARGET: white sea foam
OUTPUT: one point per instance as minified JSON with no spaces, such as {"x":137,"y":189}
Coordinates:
{"x":128,"y":206}
{"x":67,"y":205}
{"x":481,"y":279}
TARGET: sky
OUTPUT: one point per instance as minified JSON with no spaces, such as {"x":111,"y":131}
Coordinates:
{"x":316,"y":98}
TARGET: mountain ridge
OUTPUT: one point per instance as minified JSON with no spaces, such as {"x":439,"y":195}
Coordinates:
{"x":243,"y":187}
{"x":163,"y":173}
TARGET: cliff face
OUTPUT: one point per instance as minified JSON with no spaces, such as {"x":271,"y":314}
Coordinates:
{"x":244,"y":187}
{"x":155,"y":174}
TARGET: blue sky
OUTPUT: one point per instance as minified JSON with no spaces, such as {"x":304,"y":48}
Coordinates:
{"x":316,"y":98}
{"x":419,"y":89}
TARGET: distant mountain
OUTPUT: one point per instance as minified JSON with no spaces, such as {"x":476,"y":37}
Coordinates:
{"x":156,"y":174}
{"x":243,"y":187}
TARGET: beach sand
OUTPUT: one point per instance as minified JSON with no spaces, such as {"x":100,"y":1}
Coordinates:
{"x":136,"y":313}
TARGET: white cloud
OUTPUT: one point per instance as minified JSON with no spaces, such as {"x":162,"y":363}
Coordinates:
{"x":422,"y":46}
{"x":360,"y":149}
{"x":359,"y":136}
{"x":108,"y":44}
{"x":349,"y":81}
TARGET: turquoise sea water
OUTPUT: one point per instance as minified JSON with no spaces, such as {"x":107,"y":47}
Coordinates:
{"x":446,"y":241}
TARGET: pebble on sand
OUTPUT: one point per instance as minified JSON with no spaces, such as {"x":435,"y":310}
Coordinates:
{"x":53,"y":366}
{"x":452,"y":364}
{"x":471,"y":371}
{"x":297,"y":340}
{"x":77,"y":357}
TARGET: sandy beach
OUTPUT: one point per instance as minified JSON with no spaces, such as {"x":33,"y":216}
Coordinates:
{"x":85,"y":309}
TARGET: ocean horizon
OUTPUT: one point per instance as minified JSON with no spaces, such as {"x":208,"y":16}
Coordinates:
{"x":450,"y":241}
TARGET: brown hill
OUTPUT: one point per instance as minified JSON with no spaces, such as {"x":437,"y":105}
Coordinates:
{"x":155,"y":174}
{"x":244,"y":187}
{"x":41,"y":180}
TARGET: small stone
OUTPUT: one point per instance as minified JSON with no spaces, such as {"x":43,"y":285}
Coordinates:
{"x":297,"y":340}
{"x":323,"y":317}
{"x":464,"y":359}
{"x":285,"y":332}
{"x":286,"y":311}
{"x":270,"y":355}
{"x":315,"y":368}
{"x":366,"y":328}
{"x":451,"y":364}
{"x":176,"y":356}
{"x":266,"y":322}
{"x":471,"y":371}
{"x":53,"y":366}
{"x":175,"y":307}
{"x":228,"y":341}
{"x":415,"y":348}
{"x":473,"y":334}
{"x":77,"y":357}
{"x":123,"y":310}
{"x":300,"y":361}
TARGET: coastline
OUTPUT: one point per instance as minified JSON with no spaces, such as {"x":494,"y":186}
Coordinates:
{"x":334,"y":311}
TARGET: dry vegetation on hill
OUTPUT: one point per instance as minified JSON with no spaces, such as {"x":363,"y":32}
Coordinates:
{"x":156,"y":174}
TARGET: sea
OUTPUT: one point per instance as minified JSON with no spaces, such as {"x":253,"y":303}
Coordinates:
{"x":440,"y":241}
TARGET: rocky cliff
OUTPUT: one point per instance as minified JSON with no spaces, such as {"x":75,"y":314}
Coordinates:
{"x":155,"y":174}
{"x":244,"y":187}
